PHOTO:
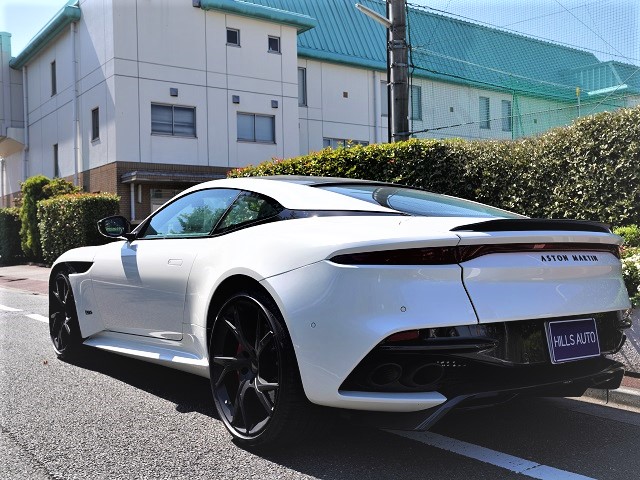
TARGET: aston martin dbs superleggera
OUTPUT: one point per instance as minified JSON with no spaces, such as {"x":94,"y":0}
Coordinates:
{"x":296,"y":292}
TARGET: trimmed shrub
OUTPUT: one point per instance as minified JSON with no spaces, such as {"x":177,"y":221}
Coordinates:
{"x":10,"y":249}
{"x":589,"y":170}
{"x":59,"y":186}
{"x":32,"y":193}
{"x":631,"y":273}
{"x":630,"y":234}
{"x":70,"y":221}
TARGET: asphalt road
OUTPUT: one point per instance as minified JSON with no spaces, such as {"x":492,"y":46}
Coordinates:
{"x":112,"y":417}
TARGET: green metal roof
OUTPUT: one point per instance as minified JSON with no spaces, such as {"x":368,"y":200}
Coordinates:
{"x":443,"y":48}
{"x":71,"y":13}
{"x":248,"y":9}
{"x":66,"y":15}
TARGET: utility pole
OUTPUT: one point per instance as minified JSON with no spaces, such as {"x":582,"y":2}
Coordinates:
{"x":399,"y":67}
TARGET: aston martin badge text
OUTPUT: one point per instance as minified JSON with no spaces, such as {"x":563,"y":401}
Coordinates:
{"x":569,"y":258}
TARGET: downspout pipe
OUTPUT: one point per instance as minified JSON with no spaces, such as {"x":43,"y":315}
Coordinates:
{"x":2,"y":175}
{"x":5,"y":42}
{"x":376,"y":112}
{"x":25,"y":106}
{"x":132,"y":203}
{"x":74,"y":106}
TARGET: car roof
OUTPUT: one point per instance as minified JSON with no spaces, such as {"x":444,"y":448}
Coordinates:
{"x":317,"y":181}
{"x":297,"y":192}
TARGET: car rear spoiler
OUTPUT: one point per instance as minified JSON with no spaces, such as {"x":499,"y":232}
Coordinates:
{"x":533,"y":224}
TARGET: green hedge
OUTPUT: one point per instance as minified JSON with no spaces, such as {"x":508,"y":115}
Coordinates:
{"x":69,"y":221}
{"x":589,"y":170}
{"x":631,"y":273}
{"x":631,"y":235}
{"x":32,"y":193}
{"x":10,"y":249}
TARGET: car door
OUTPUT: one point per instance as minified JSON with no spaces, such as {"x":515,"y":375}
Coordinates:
{"x":141,"y":287}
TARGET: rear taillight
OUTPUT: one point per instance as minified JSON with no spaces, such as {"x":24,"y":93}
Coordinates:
{"x":469,"y":252}
{"x":410,"y":256}
{"x":452,"y":255}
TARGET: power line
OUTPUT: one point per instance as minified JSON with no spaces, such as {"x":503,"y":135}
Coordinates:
{"x":516,"y":32}
{"x":589,"y":28}
{"x":546,"y":15}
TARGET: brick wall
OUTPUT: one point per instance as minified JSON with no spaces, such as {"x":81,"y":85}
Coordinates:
{"x":107,"y":178}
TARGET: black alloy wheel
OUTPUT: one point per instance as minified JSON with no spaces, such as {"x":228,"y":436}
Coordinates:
{"x":255,"y":382}
{"x":63,"y":320}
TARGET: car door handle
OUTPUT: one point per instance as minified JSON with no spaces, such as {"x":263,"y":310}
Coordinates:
{"x":176,"y":262}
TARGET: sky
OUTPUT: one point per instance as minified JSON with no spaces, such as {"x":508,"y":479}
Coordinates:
{"x":608,"y":28}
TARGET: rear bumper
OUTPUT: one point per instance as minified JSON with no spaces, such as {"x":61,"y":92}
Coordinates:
{"x":473,"y":359}
{"x":599,"y":373}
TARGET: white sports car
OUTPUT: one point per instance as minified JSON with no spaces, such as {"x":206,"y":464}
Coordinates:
{"x":293,"y":292}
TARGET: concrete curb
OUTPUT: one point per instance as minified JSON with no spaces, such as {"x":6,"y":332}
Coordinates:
{"x":628,"y":397}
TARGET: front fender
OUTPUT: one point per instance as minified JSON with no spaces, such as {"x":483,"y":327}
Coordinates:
{"x":81,"y":259}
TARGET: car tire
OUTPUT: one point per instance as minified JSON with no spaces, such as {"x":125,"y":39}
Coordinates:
{"x":254,"y":375}
{"x":64,"y":328}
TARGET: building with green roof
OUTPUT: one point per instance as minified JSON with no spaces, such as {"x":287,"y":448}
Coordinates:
{"x":146,"y":97}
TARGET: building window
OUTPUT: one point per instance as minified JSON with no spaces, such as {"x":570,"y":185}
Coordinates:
{"x":256,"y":128}
{"x":507,"y":118}
{"x":302,"y":87}
{"x":274,"y":44}
{"x":485,"y":113}
{"x":56,"y":163}
{"x":416,"y":102}
{"x":173,"y":120}
{"x":95,"y":124}
{"x":54,"y":81}
{"x":341,"y":143}
{"x":384,"y":99}
{"x":233,"y":37}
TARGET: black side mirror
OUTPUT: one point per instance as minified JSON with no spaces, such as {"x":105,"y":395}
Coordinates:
{"x":115,"y":227}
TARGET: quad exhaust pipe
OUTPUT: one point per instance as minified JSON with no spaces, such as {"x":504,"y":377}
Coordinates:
{"x":386,"y":374}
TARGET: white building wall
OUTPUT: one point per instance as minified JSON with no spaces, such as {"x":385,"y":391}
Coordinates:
{"x":129,"y":55}
{"x":11,"y":110}
{"x":207,"y":74}
{"x":12,"y":174}
{"x":453,"y":111}
{"x":346,"y":103}
{"x":342,"y":103}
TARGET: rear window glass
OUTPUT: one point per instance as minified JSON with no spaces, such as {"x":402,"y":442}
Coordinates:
{"x":419,"y":202}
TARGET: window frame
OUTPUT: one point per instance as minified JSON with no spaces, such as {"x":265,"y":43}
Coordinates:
{"x":219,"y":230}
{"x":384,"y":98}
{"x":215,"y":231}
{"x":304,"y":101}
{"x":507,"y":117}
{"x":237,"y":32}
{"x":56,"y":161}
{"x":173,"y":121}
{"x":416,"y":114}
{"x":95,"y":124}
{"x":255,"y":115}
{"x":342,"y":142}
{"x":269,"y":49}
{"x":54,"y":79}
{"x":484,"y":121}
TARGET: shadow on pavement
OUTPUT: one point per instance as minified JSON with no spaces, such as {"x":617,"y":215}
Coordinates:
{"x":190,"y":393}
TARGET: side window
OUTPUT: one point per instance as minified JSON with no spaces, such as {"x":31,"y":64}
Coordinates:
{"x":248,"y":208}
{"x":193,"y":215}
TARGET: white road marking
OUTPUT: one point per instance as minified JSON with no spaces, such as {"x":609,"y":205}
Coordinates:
{"x":486,"y":455}
{"x":40,"y":318}
{"x":9,"y":309}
